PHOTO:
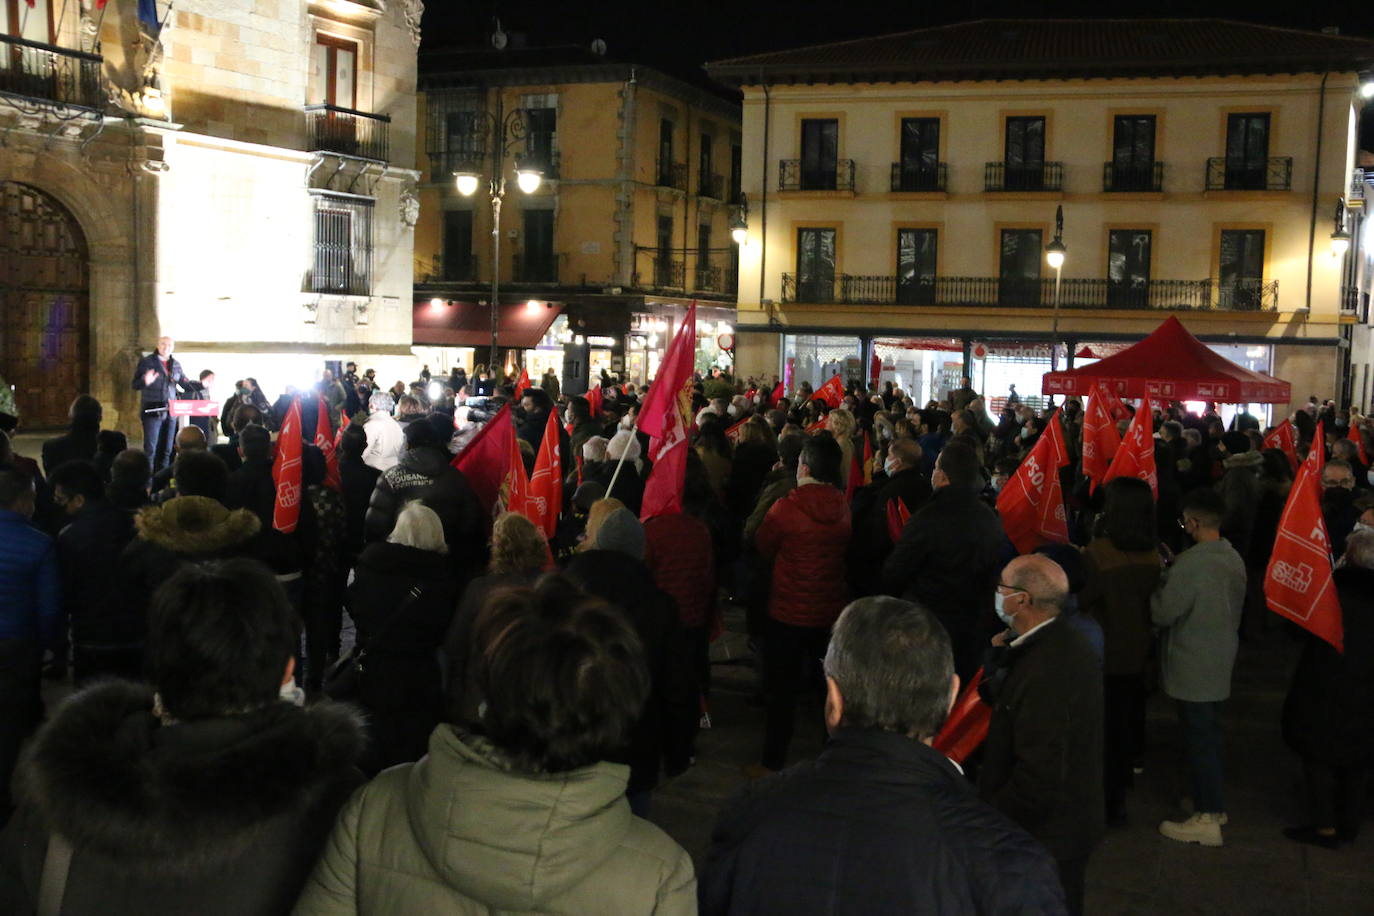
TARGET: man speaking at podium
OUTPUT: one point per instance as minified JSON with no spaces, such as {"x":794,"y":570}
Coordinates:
{"x":159,"y":376}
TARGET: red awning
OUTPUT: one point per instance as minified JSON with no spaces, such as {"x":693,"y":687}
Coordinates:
{"x":1171,"y":364}
{"x":454,"y":323}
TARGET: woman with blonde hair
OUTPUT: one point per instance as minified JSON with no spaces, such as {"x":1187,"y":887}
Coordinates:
{"x":842,"y":424}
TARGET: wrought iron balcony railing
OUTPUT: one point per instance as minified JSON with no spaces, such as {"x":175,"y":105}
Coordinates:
{"x":1132,"y":177}
{"x":669,"y":273}
{"x":908,"y":177}
{"x":439,"y":269}
{"x":712,"y":186}
{"x":548,"y":162}
{"x":527,"y":268}
{"x":1044,"y":176}
{"x":988,"y":292}
{"x":796,"y":175}
{"x":47,"y":73}
{"x":443,"y":163}
{"x":1273,"y":174}
{"x":708,"y":278}
{"x":672,"y":175}
{"x":332,"y":129}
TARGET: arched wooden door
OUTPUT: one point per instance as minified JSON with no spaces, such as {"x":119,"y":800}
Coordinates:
{"x":44,"y":304}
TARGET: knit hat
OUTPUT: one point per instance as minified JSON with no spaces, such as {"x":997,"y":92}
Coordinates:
{"x":621,"y":531}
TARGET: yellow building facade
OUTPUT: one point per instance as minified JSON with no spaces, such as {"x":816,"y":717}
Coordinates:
{"x":904,"y":191}
{"x":629,"y":224}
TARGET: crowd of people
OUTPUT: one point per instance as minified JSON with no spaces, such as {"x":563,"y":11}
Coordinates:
{"x":407,"y":704}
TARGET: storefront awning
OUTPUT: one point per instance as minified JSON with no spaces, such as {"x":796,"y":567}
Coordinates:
{"x":454,"y":323}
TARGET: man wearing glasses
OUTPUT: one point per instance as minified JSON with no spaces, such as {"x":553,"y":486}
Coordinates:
{"x":1042,"y":761}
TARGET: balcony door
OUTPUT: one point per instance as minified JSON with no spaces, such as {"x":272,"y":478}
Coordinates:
{"x":1025,"y":154}
{"x":705,"y":168}
{"x":1128,"y":268}
{"x":820,"y":151}
{"x":1019,"y":274}
{"x":32,"y":21}
{"x":1247,"y":151}
{"x":334,"y":72}
{"x":815,"y":265}
{"x":916,"y":251}
{"x":538,"y":255}
{"x":665,"y":153}
{"x":542,"y":139}
{"x":706,"y":275}
{"x":920,"y":162}
{"x":1133,"y":152}
{"x":1241,"y":268}
{"x":458,"y":256}
{"x":663,"y":261}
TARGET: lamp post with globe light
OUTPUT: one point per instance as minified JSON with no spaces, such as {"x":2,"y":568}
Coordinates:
{"x":1054,"y":256}
{"x":506,"y":132}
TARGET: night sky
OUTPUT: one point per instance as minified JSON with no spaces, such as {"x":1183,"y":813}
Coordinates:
{"x":679,"y":36}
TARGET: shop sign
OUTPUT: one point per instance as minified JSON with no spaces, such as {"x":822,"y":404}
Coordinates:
{"x":726,"y":341}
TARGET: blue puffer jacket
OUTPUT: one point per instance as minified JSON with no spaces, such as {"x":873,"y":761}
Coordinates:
{"x":29,"y":596}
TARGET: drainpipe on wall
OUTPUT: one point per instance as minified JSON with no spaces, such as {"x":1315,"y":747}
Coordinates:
{"x":763,"y":204}
{"x":1316,"y":185}
{"x":625,"y":206}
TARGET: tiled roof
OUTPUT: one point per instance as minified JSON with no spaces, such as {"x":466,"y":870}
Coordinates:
{"x":1065,"y":48}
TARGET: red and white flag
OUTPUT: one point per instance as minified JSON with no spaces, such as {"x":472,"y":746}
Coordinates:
{"x":1100,"y":439}
{"x":1115,"y":407}
{"x":815,"y":427}
{"x":522,"y":383}
{"x":665,"y":417}
{"x":1032,"y":502}
{"x":1136,"y":456}
{"x":286,"y":471}
{"x":1354,"y":436}
{"x":1284,"y":438}
{"x":832,"y":393}
{"x":326,"y":444}
{"x":734,"y":432}
{"x":492,"y":464}
{"x":544,"y":497}
{"x":1297,"y":583}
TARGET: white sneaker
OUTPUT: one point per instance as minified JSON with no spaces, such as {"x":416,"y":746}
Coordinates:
{"x":1203,"y":828}
{"x":1186,"y":804}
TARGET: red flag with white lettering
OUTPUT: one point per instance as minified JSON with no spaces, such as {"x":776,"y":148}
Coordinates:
{"x":522,"y":383}
{"x":832,"y":393}
{"x":734,"y":432}
{"x":325,"y":443}
{"x":1032,"y":502}
{"x":1297,"y":583}
{"x":815,"y":427}
{"x":1100,"y":439}
{"x":545,"y":494}
{"x":1284,"y":438}
{"x":665,"y":416}
{"x":1136,"y":456}
{"x":286,"y":471}
{"x":1112,"y":400}
{"x":486,"y":461}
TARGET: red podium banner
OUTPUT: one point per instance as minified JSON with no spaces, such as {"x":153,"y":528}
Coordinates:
{"x":195,"y":408}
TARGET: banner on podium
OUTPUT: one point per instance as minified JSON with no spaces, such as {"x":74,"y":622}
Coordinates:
{"x":195,"y":408}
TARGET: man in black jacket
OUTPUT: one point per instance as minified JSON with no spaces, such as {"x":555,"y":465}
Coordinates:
{"x":947,"y":557}
{"x":872,"y":538}
{"x":158,"y":376}
{"x":881,"y":822}
{"x":1042,"y":761}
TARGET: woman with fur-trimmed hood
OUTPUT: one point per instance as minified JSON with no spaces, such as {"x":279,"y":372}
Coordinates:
{"x":211,"y":791}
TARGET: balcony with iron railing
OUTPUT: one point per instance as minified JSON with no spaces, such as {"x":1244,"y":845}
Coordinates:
{"x":671,"y":175}
{"x":1043,"y":176}
{"x":796,"y":175}
{"x":1120,"y":177}
{"x":441,"y":269}
{"x":526,"y":268}
{"x":711,"y":185}
{"x":346,"y":132}
{"x":909,"y":177}
{"x":46,"y":73}
{"x":991,"y":292}
{"x":1273,"y":174}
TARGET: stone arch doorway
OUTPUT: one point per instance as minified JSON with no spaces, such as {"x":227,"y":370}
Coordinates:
{"x":45,"y":337}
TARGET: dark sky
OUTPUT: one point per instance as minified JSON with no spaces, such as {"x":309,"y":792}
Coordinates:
{"x":678,"y":35}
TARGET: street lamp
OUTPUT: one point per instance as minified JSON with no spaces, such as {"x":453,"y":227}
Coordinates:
{"x":739,"y":227}
{"x":506,"y":133}
{"x":1340,"y":238}
{"x":1054,"y":256}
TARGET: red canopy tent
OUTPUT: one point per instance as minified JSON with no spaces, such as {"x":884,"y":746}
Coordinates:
{"x":1171,"y":365}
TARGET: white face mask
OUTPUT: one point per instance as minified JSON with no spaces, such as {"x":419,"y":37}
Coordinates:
{"x":1369,"y":476}
{"x":998,"y":602}
{"x":731,"y":410}
{"x":627,"y":421}
{"x":891,"y":466}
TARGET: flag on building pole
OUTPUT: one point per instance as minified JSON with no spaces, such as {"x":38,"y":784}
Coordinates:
{"x":1032,"y":502}
{"x":286,"y":471}
{"x":1100,"y":439}
{"x":325,"y":443}
{"x":832,"y":393}
{"x":545,"y":494}
{"x":666,"y":416}
{"x":1136,"y":456}
{"x":1298,"y":583}
{"x":1284,"y":438}
{"x":522,"y":383}
{"x":486,"y":462}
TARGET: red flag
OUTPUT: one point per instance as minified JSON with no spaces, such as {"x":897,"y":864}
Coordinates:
{"x":486,"y":462}
{"x":1032,"y":502}
{"x":513,"y":494}
{"x":594,"y":397}
{"x":868,"y":460}
{"x":897,"y":517}
{"x":1354,"y":436}
{"x":545,"y":494}
{"x":815,"y":427}
{"x":286,"y":471}
{"x":832,"y":393}
{"x":671,"y":393}
{"x":735,"y":431}
{"x":1115,"y":407}
{"x":665,"y":416}
{"x":1136,"y":456}
{"x":343,"y":425}
{"x":1297,"y":584}
{"x":522,"y":383}
{"x":325,"y":443}
{"x":967,"y":723}
{"x":1284,"y":438}
{"x":1100,"y":439}
{"x":775,"y":396}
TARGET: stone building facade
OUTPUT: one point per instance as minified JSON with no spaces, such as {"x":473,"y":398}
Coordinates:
{"x":235,"y":175}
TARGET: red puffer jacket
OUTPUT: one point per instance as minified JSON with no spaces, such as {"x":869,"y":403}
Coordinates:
{"x":681,"y":556}
{"x":806,"y":533}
